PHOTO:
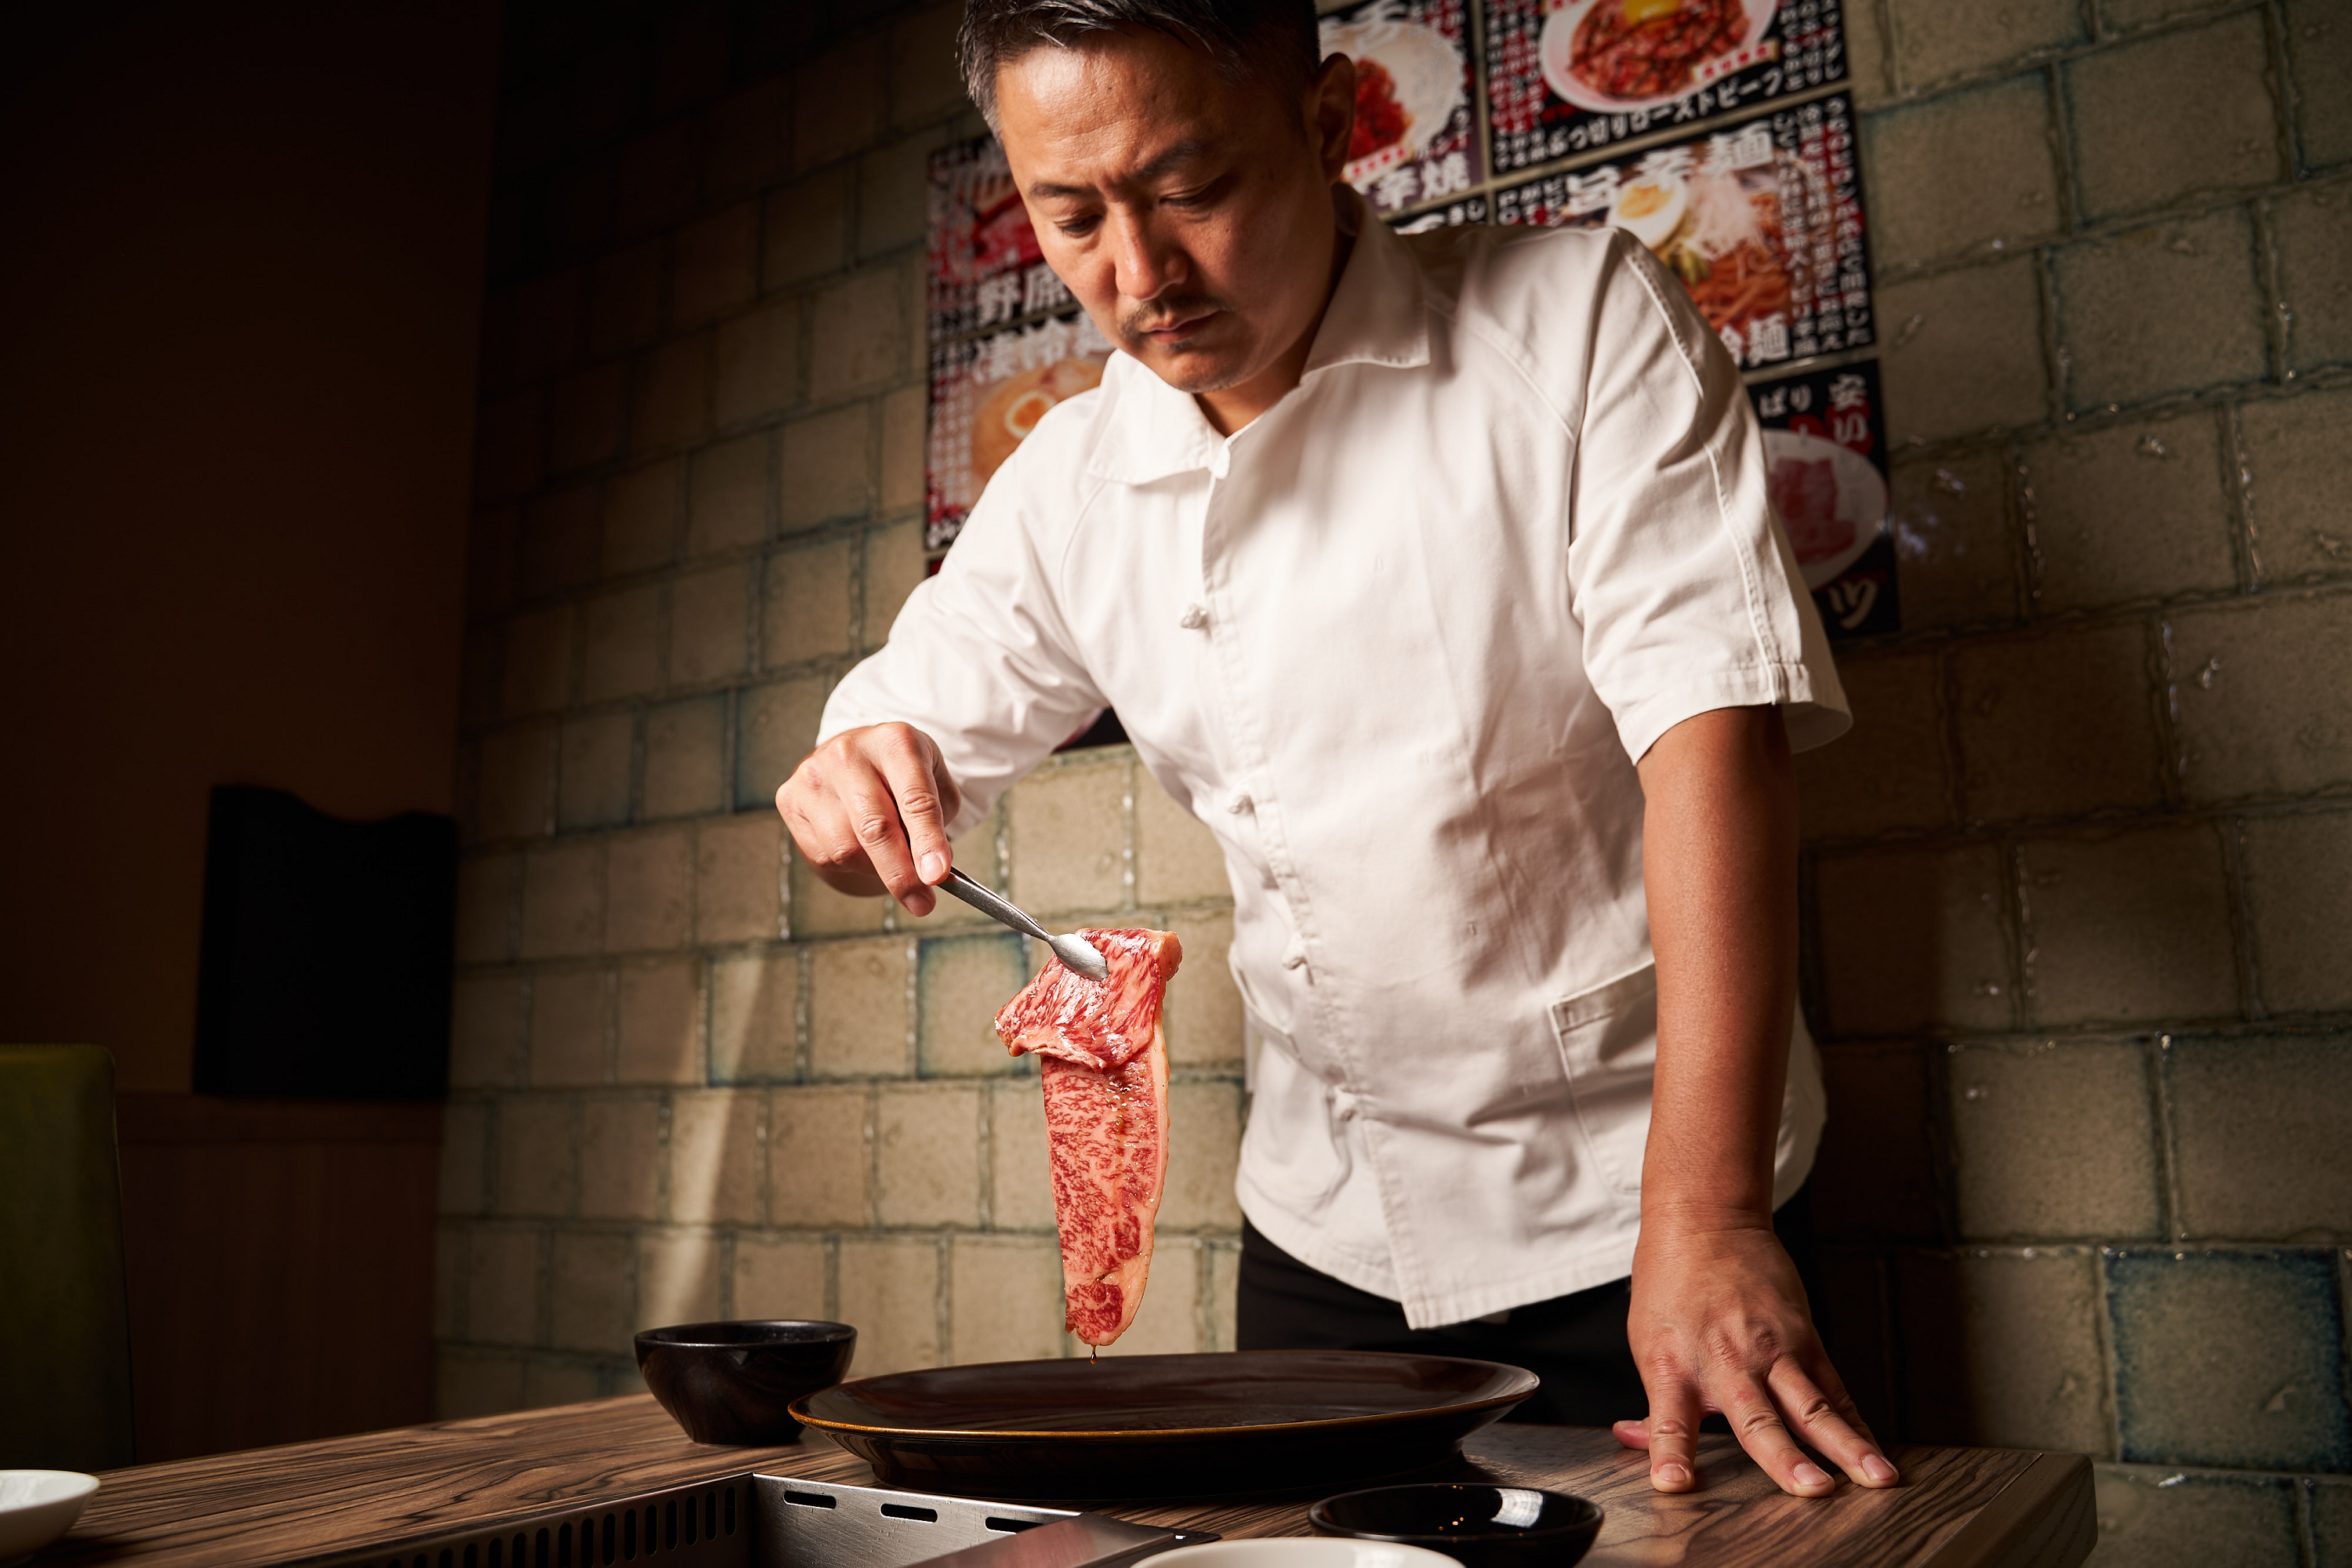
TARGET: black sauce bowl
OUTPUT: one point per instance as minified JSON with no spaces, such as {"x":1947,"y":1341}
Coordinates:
{"x":1479,"y":1526}
{"x":735,"y":1382}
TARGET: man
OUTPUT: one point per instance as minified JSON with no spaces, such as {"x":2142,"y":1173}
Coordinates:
{"x":1438,"y":576}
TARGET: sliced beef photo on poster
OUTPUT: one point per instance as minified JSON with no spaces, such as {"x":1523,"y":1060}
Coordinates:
{"x":1762,"y":221}
{"x":1416,"y":139}
{"x":1571,"y":77}
{"x":1007,"y":342}
{"x":1825,"y":456}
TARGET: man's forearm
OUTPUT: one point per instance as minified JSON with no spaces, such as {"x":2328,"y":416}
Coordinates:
{"x":1719,"y":857}
{"x":1718,"y":1319}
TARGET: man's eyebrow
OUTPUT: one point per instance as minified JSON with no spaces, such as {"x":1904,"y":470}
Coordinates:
{"x":1176,"y":152}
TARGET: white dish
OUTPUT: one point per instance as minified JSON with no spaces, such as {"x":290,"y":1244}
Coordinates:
{"x":38,"y":1506}
{"x":1302,"y":1551}
{"x":1861,"y":496}
{"x":1559,"y":38}
{"x":1428,"y":76}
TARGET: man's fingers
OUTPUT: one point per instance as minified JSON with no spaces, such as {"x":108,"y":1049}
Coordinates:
{"x":1631,"y":1434}
{"x":1670,"y":1433}
{"x":1760,"y":1430}
{"x":872,"y":812}
{"x":1828,"y":1421}
{"x":915,"y":781}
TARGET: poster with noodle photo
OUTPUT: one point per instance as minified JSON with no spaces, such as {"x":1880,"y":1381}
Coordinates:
{"x":1007,"y":342}
{"x":1566,"y":77}
{"x":987,"y":393}
{"x":1825,"y":468}
{"x":1416,"y":138}
{"x":1763,"y":223}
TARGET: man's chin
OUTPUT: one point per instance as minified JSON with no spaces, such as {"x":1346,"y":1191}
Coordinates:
{"x":1192,"y":371}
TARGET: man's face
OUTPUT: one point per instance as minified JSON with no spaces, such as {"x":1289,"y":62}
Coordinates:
{"x":1191,"y":216}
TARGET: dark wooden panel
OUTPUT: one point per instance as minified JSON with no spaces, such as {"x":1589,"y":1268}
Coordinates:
{"x":1958,"y":1508}
{"x":373,"y":1489}
{"x":280,"y":1257}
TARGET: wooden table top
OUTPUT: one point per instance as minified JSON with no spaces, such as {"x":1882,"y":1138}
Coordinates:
{"x":1958,"y":1507}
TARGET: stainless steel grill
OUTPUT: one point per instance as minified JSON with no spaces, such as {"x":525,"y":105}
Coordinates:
{"x":754,"y":1521}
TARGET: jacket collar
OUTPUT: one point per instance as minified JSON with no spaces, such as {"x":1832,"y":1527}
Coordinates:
{"x":1376,"y":317}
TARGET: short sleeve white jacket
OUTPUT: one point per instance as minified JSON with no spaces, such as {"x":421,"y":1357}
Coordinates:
{"x":1399,"y":643}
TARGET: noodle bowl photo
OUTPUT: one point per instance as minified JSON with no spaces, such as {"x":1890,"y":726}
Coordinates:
{"x":1614,"y":55}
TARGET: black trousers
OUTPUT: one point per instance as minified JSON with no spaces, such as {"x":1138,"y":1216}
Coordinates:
{"x":1576,"y":1343}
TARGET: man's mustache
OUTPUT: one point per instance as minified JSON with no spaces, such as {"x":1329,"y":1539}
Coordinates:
{"x":1162,"y":316}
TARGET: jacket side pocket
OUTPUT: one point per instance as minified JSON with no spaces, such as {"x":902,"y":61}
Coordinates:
{"x":1609,"y":1045}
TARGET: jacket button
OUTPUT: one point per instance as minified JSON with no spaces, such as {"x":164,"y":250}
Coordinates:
{"x":1196,"y":619}
{"x":1295,"y":956}
{"x":1242,"y":803}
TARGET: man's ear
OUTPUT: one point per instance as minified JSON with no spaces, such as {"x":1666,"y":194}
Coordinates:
{"x":1331,"y":112}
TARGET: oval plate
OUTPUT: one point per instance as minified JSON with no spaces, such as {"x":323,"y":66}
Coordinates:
{"x":1164,"y":1426}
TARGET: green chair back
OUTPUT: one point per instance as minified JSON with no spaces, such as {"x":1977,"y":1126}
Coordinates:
{"x":65,"y":1322}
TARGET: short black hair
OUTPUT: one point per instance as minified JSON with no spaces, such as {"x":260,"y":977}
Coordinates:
{"x":1276,"y":41}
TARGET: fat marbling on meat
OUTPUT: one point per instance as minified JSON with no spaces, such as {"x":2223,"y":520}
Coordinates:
{"x":1103,"y":1061}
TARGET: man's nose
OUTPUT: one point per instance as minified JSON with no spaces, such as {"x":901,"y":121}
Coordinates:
{"x":1147,"y":264}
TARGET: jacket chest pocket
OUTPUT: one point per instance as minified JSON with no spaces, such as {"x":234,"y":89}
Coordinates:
{"x":1609,"y":1045}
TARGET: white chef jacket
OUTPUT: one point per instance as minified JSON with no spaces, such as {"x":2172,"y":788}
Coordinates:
{"x":1399,"y":643}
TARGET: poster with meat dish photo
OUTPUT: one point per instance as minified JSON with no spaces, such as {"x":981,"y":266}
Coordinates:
{"x":1762,"y":221}
{"x":1007,"y":342}
{"x":1416,"y":138}
{"x":1825,"y":456}
{"x":1569,"y":77}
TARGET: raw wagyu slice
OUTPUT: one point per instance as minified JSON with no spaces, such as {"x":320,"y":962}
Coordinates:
{"x":1104,"y":1062}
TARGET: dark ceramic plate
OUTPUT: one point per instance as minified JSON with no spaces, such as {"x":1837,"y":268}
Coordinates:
{"x":1477,"y":1526}
{"x":1164,"y":1426}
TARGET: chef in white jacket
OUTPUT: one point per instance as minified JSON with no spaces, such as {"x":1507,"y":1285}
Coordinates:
{"x":1437,"y":575}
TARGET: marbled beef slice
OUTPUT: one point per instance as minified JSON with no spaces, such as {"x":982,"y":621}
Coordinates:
{"x":1104,"y":1068}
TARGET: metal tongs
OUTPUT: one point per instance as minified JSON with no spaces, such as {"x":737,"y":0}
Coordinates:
{"x":1074,"y":950}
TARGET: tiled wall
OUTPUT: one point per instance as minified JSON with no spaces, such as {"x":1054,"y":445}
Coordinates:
{"x":2079,"y":883}
{"x":2078,"y":887}
{"x":691,"y":1081}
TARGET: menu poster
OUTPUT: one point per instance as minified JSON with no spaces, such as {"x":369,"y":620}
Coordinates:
{"x":1416,"y":138}
{"x":988,"y":392}
{"x":1569,"y":76}
{"x":1007,"y":340}
{"x":985,"y":264}
{"x":1762,"y":222}
{"x":1825,"y":456}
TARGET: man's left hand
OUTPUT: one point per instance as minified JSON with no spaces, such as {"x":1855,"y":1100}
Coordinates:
{"x":1719,"y":1325}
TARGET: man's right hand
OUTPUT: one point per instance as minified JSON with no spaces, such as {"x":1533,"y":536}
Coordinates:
{"x":870,"y":809}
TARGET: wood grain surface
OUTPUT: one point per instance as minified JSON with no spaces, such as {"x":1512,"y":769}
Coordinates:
{"x":1738,"y":1518}
{"x":341,"y":1495}
{"x":1958,"y":1507}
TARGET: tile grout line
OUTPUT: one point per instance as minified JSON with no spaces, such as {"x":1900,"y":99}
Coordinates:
{"x":2245,"y":938}
{"x":2111,"y":1360}
{"x":2157,"y":1070}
